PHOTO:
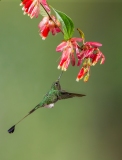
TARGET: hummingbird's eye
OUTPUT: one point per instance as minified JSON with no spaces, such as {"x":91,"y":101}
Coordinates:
{"x":56,"y":83}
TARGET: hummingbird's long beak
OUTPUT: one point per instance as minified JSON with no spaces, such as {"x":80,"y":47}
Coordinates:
{"x":60,"y":75}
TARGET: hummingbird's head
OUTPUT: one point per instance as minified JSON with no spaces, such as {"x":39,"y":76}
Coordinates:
{"x":56,"y":85}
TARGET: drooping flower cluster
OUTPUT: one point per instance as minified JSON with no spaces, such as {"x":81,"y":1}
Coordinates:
{"x":67,"y":49}
{"x":89,"y":54}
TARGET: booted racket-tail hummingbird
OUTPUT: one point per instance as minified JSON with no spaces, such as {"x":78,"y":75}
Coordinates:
{"x":54,"y":94}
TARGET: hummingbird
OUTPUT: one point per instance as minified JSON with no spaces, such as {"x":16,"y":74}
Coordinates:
{"x":53,"y":95}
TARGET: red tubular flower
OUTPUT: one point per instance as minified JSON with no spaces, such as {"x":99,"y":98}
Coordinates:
{"x":90,"y":54}
{"x":94,"y":44}
{"x":96,"y":57}
{"x":88,"y":50}
{"x":47,"y":25}
{"x":91,"y":50}
{"x":67,"y":49}
{"x":65,"y":59}
{"x":32,"y":7}
{"x":83,"y":72}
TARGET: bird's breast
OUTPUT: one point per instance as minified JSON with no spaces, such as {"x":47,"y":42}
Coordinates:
{"x":49,"y":105}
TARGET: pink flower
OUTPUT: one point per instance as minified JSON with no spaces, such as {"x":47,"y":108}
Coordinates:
{"x":32,"y":7}
{"x":81,"y":74}
{"x":67,"y":49}
{"x":84,"y":72}
{"x":47,"y":25}
{"x":90,"y":50}
{"x":90,"y":54}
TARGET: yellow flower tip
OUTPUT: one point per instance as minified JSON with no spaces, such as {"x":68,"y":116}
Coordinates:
{"x":43,"y":38}
{"x":77,"y":79}
{"x":59,"y":67}
{"x":24,"y":13}
{"x":21,"y":4}
{"x":85,"y":80}
{"x":64,"y":69}
{"x":30,"y":16}
{"x":93,"y":64}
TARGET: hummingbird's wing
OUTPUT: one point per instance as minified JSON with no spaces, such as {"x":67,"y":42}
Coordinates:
{"x":65,"y":95}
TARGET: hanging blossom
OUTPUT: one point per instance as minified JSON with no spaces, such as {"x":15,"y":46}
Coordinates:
{"x":90,"y":54}
{"x":67,"y":48}
{"x":32,"y":7}
{"x":49,"y":25}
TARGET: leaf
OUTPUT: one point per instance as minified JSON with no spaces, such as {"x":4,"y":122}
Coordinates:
{"x":67,"y":24}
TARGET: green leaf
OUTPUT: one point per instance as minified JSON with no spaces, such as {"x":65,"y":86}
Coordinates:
{"x":67,"y":24}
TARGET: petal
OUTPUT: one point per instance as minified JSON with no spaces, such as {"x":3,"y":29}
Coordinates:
{"x":31,"y":7}
{"x":83,"y":55}
{"x":63,"y":58}
{"x":25,"y":1}
{"x":61,"y":46}
{"x":94,"y":61}
{"x":88,"y":52}
{"x":72,"y":57}
{"x":43,"y":22}
{"x":65,"y":55}
{"x":35,"y":12}
{"x":66,"y":64}
{"x":76,"y":39}
{"x":44,"y":32}
{"x":79,"y":62}
{"x":94,"y":44}
{"x":81,"y":74}
{"x":27,"y":5}
{"x":55,"y":30}
{"x":77,"y":50}
{"x":103,"y":59}
{"x":86,"y":78}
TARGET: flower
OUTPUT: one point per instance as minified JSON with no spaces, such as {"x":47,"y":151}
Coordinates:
{"x":84,"y":71}
{"x":90,"y":54}
{"x":47,"y":25}
{"x":81,"y":73}
{"x":90,"y":50}
{"x":32,"y":7}
{"x":67,"y":49}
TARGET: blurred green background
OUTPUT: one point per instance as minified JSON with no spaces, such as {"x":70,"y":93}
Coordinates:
{"x":76,"y":129}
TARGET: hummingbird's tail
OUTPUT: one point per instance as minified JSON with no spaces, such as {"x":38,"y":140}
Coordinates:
{"x":11,"y":130}
{"x":65,"y":95}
